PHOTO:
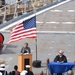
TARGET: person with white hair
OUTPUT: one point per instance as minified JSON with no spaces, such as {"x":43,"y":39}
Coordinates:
{"x":2,"y":69}
{"x":60,"y":58}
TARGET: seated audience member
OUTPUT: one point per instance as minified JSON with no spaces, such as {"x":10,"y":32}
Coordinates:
{"x":60,"y":58}
{"x":47,"y":70}
{"x":41,"y":73}
{"x":15,"y":71}
{"x":26,"y":49}
{"x":10,"y":73}
{"x":2,"y":69}
{"x":28,"y":70}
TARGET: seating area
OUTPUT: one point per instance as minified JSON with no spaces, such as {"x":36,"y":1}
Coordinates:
{"x":48,"y":73}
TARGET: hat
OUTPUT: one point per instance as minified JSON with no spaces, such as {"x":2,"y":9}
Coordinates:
{"x":2,"y":65}
{"x":27,"y":66}
{"x":2,"y":69}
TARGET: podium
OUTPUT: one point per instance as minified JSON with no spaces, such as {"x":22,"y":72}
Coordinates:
{"x":23,"y":60}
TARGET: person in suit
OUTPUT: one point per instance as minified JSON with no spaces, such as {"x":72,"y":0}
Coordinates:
{"x":60,"y":58}
{"x":15,"y":71}
{"x":25,"y":49}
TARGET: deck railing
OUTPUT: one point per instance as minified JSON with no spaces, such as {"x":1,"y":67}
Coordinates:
{"x":11,"y":11}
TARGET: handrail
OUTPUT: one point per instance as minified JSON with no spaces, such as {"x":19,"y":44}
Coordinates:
{"x":14,"y":10}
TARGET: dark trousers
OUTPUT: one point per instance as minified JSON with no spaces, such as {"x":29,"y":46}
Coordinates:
{"x":59,"y":73}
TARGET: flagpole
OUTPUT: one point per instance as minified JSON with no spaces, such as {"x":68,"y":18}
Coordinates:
{"x":36,"y":36}
{"x":36,"y":63}
{"x":36,"y":48}
{"x":36,"y":27}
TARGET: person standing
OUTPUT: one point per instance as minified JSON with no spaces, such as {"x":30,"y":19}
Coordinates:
{"x":26,"y":49}
{"x":16,"y":70}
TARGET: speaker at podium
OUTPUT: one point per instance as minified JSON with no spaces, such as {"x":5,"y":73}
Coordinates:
{"x":23,"y":60}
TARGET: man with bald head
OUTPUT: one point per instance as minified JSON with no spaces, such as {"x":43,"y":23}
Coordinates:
{"x":61,"y":57}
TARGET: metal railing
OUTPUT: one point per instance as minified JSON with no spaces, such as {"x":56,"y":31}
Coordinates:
{"x":12,"y":11}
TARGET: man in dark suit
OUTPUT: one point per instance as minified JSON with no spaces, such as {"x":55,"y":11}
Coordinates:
{"x":60,"y":58}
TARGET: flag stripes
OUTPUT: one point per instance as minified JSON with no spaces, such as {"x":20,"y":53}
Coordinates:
{"x":19,"y":32}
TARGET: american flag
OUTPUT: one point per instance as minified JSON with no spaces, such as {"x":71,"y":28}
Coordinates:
{"x":26,"y":29}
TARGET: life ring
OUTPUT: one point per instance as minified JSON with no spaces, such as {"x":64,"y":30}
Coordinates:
{"x":1,"y":38}
{"x":1,"y":41}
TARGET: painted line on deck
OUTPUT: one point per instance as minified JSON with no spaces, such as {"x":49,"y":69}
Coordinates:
{"x":39,"y":22}
{"x":56,"y":11}
{"x":68,"y":22}
{"x":52,"y":7}
{"x":48,"y":32}
{"x":53,"y":22}
{"x":71,"y":11}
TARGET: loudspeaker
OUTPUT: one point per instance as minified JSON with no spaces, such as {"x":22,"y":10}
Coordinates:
{"x":36,"y":63}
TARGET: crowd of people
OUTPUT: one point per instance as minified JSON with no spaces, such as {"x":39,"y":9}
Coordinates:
{"x":25,"y":49}
{"x":15,"y":71}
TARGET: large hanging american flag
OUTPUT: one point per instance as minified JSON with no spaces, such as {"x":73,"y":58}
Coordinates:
{"x":26,"y":29}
